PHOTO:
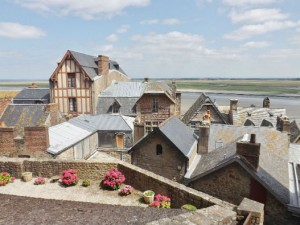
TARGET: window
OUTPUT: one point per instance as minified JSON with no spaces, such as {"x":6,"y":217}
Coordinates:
{"x":159,"y":149}
{"x":115,"y":109}
{"x":72,"y":105}
{"x":155,"y":105}
{"x":71,"y":80}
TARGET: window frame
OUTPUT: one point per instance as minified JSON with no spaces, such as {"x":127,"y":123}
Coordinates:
{"x":155,"y":104}
{"x":71,"y":80}
{"x":72,"y":105}
{"x":159,"y":149}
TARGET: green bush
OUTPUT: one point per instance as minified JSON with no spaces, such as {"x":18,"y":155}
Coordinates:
{"x":86,"y":183}
{"x":189,"y":207}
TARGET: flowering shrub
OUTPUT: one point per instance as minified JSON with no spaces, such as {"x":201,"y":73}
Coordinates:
{"x":39,"y":180}
{"x":161,"y":201}
{"x":113,"y":179}
{"x":69,"y":177}
{"x":5,"y":178}
{"x":126,"y":190}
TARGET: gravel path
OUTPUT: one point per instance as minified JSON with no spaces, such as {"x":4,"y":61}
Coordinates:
{"x":92,"y":193}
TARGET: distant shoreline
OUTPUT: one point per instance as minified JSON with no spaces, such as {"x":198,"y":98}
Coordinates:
{"x":244,"y":93}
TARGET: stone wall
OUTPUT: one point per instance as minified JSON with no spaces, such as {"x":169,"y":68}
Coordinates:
{"x":36,"y":139}
{"x":231,"y":184}
{"x":145,"y":105}
{"x":137,"y":177}
{"x":7,"y":144}
{"x":171,"y":164}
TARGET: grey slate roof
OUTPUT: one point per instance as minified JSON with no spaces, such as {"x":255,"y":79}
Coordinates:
{"x":273,"y":161}
{"x":295,"y":131}
{"x":203,"y":100}
{"x":179,"y":134}
{"x":104,"y":122}
{"x":125,"y":93}
{"x":64,"y":135}
{"x":34,"y":94}
{"x":127,"y":105}
{"x":90,"y":64}
{"x":257,"y":115}
{"x":124,"y":89}
{"x":21,"y":116}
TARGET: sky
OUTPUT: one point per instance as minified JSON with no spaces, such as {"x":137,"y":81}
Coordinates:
{"x":154,"y":38}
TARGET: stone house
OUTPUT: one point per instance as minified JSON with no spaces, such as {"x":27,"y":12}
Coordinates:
{"x":194,"y":116}
{"x":120,"y":98}
{"x":168,"y":150}
{"x":79,"y":79}
{"x":80,"y":137}
{"x":158,"y":102}
{"x":235,"y":166}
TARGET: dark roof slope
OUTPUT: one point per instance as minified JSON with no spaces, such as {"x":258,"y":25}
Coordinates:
{"x":21,"y":116}
{"x":90,"y":64}
{"x":273,"y":161}
{"x":198,"y":104}
{"x":179,"y":134}
{"x":34,"y":94}
{"x":295,"y":131}
{"x":127,"y":105}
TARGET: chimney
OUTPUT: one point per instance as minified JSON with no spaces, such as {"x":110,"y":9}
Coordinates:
{"x":285,"y":125}
{"x":206,"y":117}
{"x":174,"y":89}
{"x":33,"y":85}
{"x":103,"y":65}
{"x":249,"y":150}
{"x":233,"y":104}
{"x":52,"y":109}
{"x":202,"y":147}
{"x":146,"y":80}
{"x":266,"y":102}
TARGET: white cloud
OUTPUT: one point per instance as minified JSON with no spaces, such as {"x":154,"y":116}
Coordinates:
{"x":112,"y":38}
{"x":249,"y":31}
{"x":149,"y":22}
{"x":87,"y":9}
{"x":171,"y":21}
{"x":19,"y":31}
{"x":243,"y":3}
{"x":256,"y":15}
{"x":123,"y":29}
{"x":256,"y":44}
{"x":168,"y":21}
{"x":178,"y":54}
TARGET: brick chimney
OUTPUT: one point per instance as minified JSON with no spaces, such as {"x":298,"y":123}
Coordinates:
{"x":285,"y":125}
{"x":103,"y":65}
{"x":174,"y":89}
{"x":202,"y":147}
{"x":249,"y":150}
{"x":233,"y":104}
{"x":52,"y":109}
{"x":233,"y":109}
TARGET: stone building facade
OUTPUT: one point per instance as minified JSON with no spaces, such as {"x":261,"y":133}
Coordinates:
{"x":158,"y":103}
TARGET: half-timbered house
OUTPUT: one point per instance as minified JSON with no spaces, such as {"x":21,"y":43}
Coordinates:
{"x":79,"y":79}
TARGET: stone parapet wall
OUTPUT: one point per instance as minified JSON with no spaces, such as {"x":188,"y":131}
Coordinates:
{"x":139,"y":178}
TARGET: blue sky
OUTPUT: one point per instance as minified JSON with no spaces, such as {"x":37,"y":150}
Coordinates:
{"x":153,"y":38}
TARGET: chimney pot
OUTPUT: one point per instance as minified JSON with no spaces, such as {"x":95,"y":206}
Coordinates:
{"x":252,"y":138}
